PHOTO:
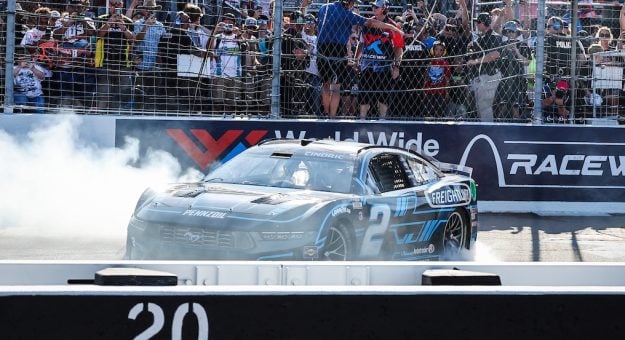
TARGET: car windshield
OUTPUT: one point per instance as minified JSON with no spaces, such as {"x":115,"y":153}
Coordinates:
{"x":286,"y":171}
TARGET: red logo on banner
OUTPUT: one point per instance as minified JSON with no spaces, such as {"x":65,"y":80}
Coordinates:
{"x":214,"y":148}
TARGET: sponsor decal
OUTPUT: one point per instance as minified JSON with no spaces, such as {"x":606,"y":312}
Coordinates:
{"x":213,"y":148}
{"x":429,"y":147}
{"x":323,"y":155}
{"x":543,"y":167}
{"x":311,"y":252}
{"x":422,"y":251}
{"x":449,"y":196}
{"x":340,"y":210}
{"x":192,"y":236}
{"x":204,"y":213}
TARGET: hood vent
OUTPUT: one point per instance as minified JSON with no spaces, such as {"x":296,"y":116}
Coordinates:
{"x":188,"y":192}
{"x":272,"y":199}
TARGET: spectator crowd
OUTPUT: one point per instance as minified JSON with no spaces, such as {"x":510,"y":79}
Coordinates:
{"x":372,"y":59}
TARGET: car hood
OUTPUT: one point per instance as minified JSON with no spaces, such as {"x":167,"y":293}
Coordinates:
{"x":184,"y":203}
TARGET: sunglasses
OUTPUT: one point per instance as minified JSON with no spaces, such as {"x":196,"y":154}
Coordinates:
{"x":604,"y":35}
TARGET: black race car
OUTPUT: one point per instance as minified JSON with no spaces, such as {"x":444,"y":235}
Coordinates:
{"x":312,"y":200}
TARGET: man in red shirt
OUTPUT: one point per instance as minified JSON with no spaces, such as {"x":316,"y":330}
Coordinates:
{"x":379,"y":54}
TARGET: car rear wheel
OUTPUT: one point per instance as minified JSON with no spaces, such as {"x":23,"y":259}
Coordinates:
{"x":455,"y":235}
{"x":339,"y":244}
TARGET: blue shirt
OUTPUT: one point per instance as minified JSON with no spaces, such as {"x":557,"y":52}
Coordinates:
{"x":148,"y":47}
{"x":335,"y":23}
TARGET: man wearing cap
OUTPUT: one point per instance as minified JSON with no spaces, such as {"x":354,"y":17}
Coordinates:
{"x":313,"y":93}
{"x":74,"y":73}
{"x":556,"y":105}
{"x":558,"y":51}
{"x":379,"y":55}
{"x":227,"y":84}
{"x":113,"y":57}
{"x":515,"y":56}
{"x":148,"y":31}
{"x":250,"y":69}
{"x":484,"y":64}
{"x":334,"y":24}
{"x":412,"y":75}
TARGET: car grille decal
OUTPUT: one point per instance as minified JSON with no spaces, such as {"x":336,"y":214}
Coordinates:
{"x":197,"y":237}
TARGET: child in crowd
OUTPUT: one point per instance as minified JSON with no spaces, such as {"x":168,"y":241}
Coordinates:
{"x":27,"y":77}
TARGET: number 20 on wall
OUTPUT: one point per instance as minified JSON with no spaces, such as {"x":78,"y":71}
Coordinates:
{"x":177,"y":324}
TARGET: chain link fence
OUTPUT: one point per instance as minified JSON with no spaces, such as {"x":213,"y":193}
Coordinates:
{"x":544,"y":62}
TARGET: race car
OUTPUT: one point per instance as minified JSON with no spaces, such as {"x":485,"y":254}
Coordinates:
{"x":312,"y":200}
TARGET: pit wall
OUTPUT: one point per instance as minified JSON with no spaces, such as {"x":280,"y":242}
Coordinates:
{"x":518,"y":168}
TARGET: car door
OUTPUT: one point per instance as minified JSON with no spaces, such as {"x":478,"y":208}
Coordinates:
{"x":400,"y":221}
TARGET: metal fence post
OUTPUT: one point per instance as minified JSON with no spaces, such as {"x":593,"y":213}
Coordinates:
{"x":10,"y":53}
{"x":277,"y":52}
{"x":540,"y":59}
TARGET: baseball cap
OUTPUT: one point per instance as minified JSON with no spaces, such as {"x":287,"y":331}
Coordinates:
{"x":511,"y":26}
{"x":380,"y":3}
{"x":251,"y":22}
{"x":483,"y":17}
{"x":562,"y":85}
{"x":229,"y":16}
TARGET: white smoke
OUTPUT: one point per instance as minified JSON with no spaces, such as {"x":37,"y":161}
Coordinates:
{"x":52,"y":184}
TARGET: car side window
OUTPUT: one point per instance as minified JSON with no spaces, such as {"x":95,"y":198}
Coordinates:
{"x":422,"y":172}
{"x":390,"y":172}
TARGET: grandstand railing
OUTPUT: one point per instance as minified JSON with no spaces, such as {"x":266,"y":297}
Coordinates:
{"x":273,"y":81}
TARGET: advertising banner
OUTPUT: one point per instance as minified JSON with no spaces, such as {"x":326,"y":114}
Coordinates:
{"x":510,"y":162}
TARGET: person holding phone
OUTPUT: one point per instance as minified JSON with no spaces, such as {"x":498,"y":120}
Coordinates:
{"x":113,"y":57}
{"x":27,"y":78}
{"x":148,"y":33}
{"x":73,"y":73}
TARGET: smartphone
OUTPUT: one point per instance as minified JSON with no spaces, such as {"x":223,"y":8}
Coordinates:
{"x":118,"y":11}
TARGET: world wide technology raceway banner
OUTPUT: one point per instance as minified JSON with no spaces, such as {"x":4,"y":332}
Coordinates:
{"x":512,"y":163}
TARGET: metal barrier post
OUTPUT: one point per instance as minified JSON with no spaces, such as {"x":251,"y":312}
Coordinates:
{"x":277,"y":52}
{"x":540,"y":59}
{"x":10,"y":54}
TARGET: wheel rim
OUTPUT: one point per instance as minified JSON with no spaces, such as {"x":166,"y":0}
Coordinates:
{"x":455,"y":234}
{"x":336,"y":248}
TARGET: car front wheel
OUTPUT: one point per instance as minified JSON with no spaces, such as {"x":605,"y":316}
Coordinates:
{"x":339,"y":245}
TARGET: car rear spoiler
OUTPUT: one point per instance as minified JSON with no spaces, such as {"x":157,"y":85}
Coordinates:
{"x":449,"y":168}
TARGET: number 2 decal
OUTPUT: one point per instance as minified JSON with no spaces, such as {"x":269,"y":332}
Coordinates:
{"x":374,"y":236}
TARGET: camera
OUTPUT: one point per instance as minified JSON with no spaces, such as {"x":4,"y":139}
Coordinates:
{"x":118,"y":11}
{"x":228,"y":27}
{"x":560,"y":93}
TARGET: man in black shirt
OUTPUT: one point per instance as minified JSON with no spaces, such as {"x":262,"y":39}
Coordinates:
{"x":558,"y":51}
{"x":484,"y":65}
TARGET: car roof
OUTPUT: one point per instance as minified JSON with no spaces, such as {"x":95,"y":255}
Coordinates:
{"x":325,"y":145}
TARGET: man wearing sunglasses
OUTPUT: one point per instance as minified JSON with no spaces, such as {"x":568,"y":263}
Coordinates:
{"x":484,"y":64}
{"x":558,"y":51}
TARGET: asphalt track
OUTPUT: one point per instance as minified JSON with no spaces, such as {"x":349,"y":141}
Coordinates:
{"x":502,"y":238}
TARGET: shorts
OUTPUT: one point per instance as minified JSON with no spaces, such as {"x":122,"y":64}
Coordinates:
{"x":375,"y":87}
{"x":332,"y":63}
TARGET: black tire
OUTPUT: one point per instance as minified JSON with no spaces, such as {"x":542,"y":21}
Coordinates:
{"x":339,"y":244}
{"x":455,"y":236}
